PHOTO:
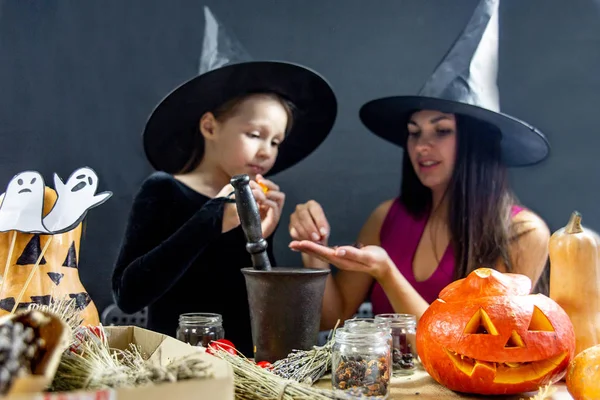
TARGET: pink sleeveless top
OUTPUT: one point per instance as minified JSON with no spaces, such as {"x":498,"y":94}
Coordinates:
{"x":400,"y":235}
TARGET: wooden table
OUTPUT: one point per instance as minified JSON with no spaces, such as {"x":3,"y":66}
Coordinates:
{"x":421,"y":386}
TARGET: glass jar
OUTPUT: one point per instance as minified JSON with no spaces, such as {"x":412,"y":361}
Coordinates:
{"x":361,"y":362}
{"x":358,"y":323}
{"x":199,"y":329}
{"x":404,"y":331}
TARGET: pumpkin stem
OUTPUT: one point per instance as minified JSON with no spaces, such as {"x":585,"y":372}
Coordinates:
{"x":574,"y":225}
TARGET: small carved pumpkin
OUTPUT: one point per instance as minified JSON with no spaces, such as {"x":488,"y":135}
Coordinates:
{"x":486,"y":334}
{"x":57,"y":275}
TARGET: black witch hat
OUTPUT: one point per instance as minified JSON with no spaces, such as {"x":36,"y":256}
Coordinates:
{"x":171,"y":135}
{"x":463,"y":83}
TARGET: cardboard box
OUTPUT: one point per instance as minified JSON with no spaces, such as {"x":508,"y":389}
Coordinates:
{"x":163,"y":348}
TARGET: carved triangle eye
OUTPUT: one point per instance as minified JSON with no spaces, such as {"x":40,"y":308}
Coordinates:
{"x":31,"y":252}
{"x":71,"y":260}
{"x":514,"y":341}
{"x":539,"y":321}
{"x":481,"y":323}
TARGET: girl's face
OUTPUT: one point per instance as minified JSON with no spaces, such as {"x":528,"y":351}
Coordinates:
{"x":431,"y":146}
{"x":246,"y":141}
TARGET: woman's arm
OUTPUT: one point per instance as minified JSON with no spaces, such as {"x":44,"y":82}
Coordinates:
{"x":529,"y":246}
{"x":357,"y":269}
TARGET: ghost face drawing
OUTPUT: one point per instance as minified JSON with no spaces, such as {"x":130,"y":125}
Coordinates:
{"x":75,"y":198}
{"x":22,"y":205}
{"x":83,"y":182}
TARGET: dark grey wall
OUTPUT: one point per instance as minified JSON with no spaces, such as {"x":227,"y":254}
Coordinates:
{"x":78,"y":80}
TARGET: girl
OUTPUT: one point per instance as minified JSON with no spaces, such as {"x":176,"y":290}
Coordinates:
{"x":183,"y":248}
{"x":455,"y":212}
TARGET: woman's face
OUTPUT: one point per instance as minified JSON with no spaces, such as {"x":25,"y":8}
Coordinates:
{"x":431,"y":146}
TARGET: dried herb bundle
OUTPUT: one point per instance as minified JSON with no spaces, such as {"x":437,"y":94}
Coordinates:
{"x":97,"y":366}
{"x":307,"y":366}
{"x":64,"y":308}
{"x":253,"y":382}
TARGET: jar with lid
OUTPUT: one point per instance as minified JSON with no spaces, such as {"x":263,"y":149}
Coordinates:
{"x":361,"y":362}
{"x":358,"y":323}
{"x":199,"y":329}
{"x":384,"y":325}
{"x":404,"y":330}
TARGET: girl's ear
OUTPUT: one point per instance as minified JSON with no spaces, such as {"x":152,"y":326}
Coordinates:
{"x":208,"y":126}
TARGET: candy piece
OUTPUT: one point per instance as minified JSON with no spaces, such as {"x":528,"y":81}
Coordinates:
{"x":264,"y":187}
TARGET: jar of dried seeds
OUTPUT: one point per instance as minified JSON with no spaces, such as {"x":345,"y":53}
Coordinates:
{"x":361,"y":362}
{"x":199,"y":329}
{"x":404,"y":329}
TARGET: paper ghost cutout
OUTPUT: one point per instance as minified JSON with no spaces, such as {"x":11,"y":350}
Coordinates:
{"x":23,"y":204}
{"x":75,"y":199}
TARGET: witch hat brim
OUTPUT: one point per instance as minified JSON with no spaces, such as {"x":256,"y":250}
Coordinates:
{"x":463,"y":83}
{"x":521,"y":143}
{"x":171,"y":133}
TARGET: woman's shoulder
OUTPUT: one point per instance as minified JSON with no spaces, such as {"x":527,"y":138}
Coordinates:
{"x":383,"y":209}
{"x":370,"y":232}
{"x":525,"y":220}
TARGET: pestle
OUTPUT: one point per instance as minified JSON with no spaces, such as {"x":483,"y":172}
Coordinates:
{"x":285,"y":302}
{"x":250,"y":221}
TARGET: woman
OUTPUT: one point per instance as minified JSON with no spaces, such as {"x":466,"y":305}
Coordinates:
{"x":184,"y":246}
{"x":455,"y":212}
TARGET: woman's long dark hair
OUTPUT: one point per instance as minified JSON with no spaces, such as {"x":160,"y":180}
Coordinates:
{"x":479,"y":198}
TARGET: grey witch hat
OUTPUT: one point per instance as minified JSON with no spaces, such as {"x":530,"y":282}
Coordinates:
{"x":171,"y":136}
{"x":463,"y":83}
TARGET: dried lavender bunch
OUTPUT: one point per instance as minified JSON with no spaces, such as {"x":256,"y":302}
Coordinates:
{"x":253,"y":382}
{"x":20,"y":347}
{"x":306,"y":366}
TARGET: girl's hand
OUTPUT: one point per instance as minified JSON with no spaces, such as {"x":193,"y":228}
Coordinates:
{"x":271,"y":206}
{"x":372,"y":260}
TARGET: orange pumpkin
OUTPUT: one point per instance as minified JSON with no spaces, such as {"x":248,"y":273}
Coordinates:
{"x":486,"y":334}
{"x":57,"y":275}
{"x":583,"y":375}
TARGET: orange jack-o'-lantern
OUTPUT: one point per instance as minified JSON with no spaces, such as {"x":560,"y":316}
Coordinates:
{"x":57,"y":275}
{"x":487,"y":334}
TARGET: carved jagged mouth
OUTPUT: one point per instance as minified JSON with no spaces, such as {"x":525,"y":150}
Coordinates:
{"x":507,"y":372}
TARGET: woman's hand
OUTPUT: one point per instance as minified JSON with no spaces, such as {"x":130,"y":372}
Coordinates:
{"x":308,"y":222}
{"x":372,"y":260}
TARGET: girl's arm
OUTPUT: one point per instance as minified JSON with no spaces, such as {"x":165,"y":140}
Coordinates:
{"x":152,"y":258}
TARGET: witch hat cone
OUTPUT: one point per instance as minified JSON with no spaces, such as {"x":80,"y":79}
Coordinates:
{"x":172,"y":141}
{"x":464,"y":82}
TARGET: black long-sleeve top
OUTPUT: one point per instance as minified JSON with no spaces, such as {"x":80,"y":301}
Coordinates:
{"x":175,"y":259}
